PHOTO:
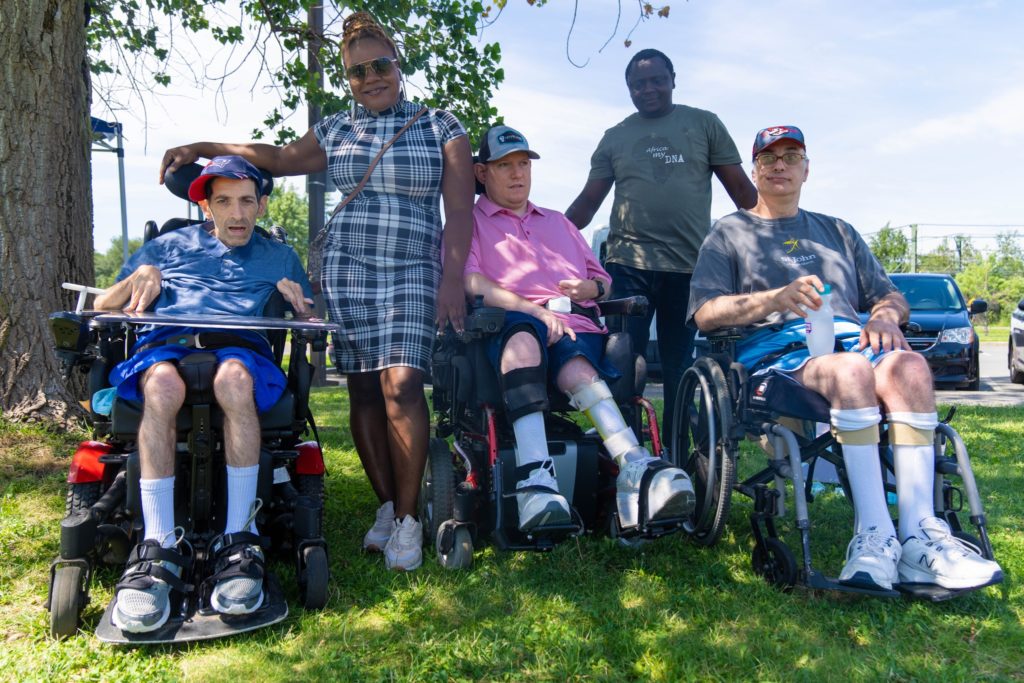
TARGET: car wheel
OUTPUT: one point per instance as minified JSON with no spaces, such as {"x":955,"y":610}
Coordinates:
{"x":1016,"y":376}
{"x":974,"y":384}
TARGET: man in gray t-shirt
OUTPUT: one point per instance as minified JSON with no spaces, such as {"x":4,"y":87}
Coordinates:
{"x":660,"y":161}
{"x":761,"y":270}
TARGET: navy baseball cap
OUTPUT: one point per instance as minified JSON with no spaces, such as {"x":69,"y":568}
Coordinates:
{"x":230,"y":166}
{"x":769,"y":136}
{"x":500,"y":141}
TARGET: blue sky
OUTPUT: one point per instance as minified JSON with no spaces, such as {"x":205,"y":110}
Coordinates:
{"x":913,"y":110}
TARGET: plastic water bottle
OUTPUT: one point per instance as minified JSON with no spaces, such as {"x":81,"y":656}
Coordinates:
{"x":820,"y":326}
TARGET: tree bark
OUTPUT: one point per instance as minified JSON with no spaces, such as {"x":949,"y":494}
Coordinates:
{"x":45,"y":199}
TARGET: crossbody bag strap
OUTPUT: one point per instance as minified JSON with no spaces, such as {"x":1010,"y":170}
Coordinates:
{"x":373,"y":164}
{"x":316,"y":246}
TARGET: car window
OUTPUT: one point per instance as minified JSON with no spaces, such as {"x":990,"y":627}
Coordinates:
{"x":930,"y":294}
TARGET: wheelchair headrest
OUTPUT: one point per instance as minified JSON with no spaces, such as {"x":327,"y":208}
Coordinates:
{"x":179,"y":181}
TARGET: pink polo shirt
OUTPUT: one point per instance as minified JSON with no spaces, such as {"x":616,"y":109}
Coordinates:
{"x":530,"y":255}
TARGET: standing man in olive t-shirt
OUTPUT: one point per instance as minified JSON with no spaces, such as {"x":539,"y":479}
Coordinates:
{"x":660,"y":161}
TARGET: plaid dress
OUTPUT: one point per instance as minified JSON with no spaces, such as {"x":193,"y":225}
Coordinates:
{"x":382,"y":252}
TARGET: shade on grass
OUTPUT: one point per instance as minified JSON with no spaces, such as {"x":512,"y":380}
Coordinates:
{"x":590,"y":610}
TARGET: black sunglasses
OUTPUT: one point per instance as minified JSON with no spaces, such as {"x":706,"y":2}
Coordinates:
{"x":381,"y":66}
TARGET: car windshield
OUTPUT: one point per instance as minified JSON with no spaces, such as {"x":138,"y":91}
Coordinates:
{"x":930,"y":294}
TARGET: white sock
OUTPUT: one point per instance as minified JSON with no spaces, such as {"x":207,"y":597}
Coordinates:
{"x":531,"y":439}
{"x":915,"y":484}
{"x":864,"y":470}
{"x":241,"y":495}
{"x":158,"y":509}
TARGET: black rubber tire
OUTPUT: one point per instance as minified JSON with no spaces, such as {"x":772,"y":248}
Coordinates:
{"x":973,"y":385}
{"x":315,"y":578}
{"x":65,"y":601}
{"x":312,"y":486}
{"x":703,"y":407}
{"x":461,"y":554}
{"x":81,"y":497}
{"x":775,"y":563}
{"x":437,"y":491}
{"x":1016,"y":376}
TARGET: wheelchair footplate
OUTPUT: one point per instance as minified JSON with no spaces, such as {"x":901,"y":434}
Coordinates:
{"x":933,"y":593}
{"x":191,"y":623}
{"x":817,"y":581}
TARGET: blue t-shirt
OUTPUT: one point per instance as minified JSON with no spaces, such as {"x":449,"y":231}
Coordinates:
{"x":200,"y":274}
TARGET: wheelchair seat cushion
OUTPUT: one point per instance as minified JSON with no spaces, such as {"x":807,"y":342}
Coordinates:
{"x":126,"y":416}
{"x":268,"y":379}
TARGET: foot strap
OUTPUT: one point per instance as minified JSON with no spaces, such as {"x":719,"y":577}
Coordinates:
{"x":142,"y":572}
{"x":234,"y":557}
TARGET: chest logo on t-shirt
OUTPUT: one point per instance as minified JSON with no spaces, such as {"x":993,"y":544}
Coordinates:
{"x":661,"y":154}
{"x":793,"y":243}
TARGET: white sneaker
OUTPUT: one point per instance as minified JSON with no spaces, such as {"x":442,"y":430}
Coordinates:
{"x":669,"y":491}
{"x":377,"y":537}
{"x":404,"y":550}
{"x":871,"y":559}
{"x":935,"y":556}
{"x":540,"y":507}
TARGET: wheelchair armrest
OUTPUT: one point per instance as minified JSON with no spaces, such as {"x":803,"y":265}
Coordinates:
{"x":724,"y":334}
{"x":630,"y":305}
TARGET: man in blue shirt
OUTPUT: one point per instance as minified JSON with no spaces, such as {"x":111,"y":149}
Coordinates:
{"x":219,"y":267}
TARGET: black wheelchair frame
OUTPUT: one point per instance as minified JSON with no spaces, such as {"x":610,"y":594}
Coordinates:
{"x":103,"y":519}
{"x":718,"y":405}
{"x":466,"y":495}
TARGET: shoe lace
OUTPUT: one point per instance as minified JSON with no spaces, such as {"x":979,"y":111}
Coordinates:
{"x":872,"y":541}
{"x":939,"y":533}
{"x":178,"y":533}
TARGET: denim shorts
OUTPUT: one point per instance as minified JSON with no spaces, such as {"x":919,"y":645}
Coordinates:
{"x":590,"y":345}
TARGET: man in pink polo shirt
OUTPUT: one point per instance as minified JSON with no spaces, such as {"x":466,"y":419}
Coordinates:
{"x":533,"y":263}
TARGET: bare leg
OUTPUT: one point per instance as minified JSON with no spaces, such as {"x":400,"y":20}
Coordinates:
{"x":232,"y":387}
{"x":368,"y":421}
{"x":408,"y":433}
{"x":163,"y":394}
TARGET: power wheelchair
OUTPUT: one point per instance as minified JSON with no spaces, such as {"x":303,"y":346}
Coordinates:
{"x":104,"y":520}
{"x":468,"y":490}
{"x":718,"y":405}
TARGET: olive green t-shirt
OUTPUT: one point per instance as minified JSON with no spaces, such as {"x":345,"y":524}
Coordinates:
{"x":662,"y":173}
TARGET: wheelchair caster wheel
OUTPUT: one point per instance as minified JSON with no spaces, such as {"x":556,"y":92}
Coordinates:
{"x":774,"y":562}
{"x":313,"y":578}
{"x":66,"y":598}
{"x":454,"y":546}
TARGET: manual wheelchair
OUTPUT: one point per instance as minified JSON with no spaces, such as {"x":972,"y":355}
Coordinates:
{"x":468,"y":487}
{"x":104,"y":520}
{"x":718,"y":405}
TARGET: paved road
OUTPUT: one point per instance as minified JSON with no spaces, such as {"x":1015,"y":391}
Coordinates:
{"x":996,"y":388}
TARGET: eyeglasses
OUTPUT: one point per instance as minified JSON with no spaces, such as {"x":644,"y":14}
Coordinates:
{"x":381,"y":66}
{"x":769,"y":159}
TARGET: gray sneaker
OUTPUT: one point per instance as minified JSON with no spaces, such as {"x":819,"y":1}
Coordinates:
{"x":143,"y":601}
{"x":668,"y":491}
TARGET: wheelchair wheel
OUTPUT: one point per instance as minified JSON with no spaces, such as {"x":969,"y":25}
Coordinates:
{"x":775,"y":562}
{"x":702,"y":421}
{"x":460,"y":554}
{"x":65,"y":601}
{"x":314,"y":577}
{"x":81,"y":497}
{"x":437,"y":492}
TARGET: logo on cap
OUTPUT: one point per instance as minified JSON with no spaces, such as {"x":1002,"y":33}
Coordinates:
{"x":510,"y":136}
{"x":777,"y":131}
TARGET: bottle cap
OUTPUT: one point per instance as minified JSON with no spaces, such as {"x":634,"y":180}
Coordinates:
{"x":827,"y":289}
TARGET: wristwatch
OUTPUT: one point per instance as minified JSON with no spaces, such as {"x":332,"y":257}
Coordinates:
{"x":600,"y":287}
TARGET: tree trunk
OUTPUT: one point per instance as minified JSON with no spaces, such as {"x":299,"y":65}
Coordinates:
{"x":45,"y":199}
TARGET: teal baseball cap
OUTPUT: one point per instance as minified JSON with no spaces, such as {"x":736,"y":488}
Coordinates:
{"x":500,"y":141}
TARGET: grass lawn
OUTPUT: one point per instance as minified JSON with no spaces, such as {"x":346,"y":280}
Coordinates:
{"x":993,"y":333}
{"x":590,"y":610}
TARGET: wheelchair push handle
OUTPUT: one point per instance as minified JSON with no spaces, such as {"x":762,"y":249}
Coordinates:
{"x":630,"y":305}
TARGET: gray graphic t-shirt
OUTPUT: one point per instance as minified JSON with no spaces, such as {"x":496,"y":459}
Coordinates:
{"x":662,"y":172}
{"x":745,"y":254}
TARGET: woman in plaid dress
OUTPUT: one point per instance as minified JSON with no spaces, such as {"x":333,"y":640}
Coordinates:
{"x":382,"y":276}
